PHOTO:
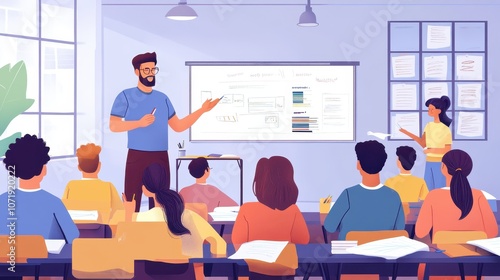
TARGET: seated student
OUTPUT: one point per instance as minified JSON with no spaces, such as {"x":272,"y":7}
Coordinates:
{"x":368,"y":205}
{"x":201,"y":192}
{"x":38,"y":212}
{"x":410,"y":188}
{"x":169,"y":208}
{"x":90,"y":192}
{"x":458,"y":206}
{"x":275,"y":216}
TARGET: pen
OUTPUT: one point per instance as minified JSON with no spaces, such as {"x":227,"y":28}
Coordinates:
{"x":398,"y":125}
{"x":179,"y":145}
{"x":154,"y":110}
{"x":182,"y":143}
{"x":221,"y":97}
{"x":326,"y":199}
{"x":133,"y":197}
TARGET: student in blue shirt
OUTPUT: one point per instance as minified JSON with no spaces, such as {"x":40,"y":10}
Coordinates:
{"x":369,"y":205}
{"x":146,"y":114}
{"x":37,"y":211}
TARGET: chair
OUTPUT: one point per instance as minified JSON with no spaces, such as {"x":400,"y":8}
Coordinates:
{"x":26,"y":246}
{"x":148,"y":241}
{"x":454,"y":242}
{"x":368,"y":236}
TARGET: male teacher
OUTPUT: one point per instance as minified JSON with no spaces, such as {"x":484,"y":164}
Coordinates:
{"x":145,"y":114}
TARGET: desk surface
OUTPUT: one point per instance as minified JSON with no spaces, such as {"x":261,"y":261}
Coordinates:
{"x":63,"y":257}
{"x":320,"y":253}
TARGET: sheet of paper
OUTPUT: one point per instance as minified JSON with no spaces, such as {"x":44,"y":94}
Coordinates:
{"x":227,"y":209}
{"x":436,"y":67}
{"x":54,"y":246}
{"x":263,"y":250}
{"x":404,"y":97}
{"x":469,"y":67}
{"x":491,"y":245}
{"x":408,"y":121}
{"x":438,"y":37}
{"x":403,"y":66}
{"x":470,"y":124}
{"x":84,"y":215}
{"x":435,"y":90}
{"x":469,"y":95}
{"x":390,"y":248}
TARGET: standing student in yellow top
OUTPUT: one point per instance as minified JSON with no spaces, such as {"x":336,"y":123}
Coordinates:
{"x":409,"y":187}
{"x":436,"y":140}
{"x":91,"y":193}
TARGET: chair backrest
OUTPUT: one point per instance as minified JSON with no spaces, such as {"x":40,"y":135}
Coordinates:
{"x":199,"y":208}
{"x":457,"y":237}
{"x":150,"y":241}
{"x":26,"y":246}
{"x":368,"y":236}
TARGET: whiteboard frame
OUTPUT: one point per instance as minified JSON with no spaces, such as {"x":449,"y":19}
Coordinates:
{"x":276,"y":63}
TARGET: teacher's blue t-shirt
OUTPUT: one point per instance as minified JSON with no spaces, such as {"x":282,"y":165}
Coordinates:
{"x":132,"y":104}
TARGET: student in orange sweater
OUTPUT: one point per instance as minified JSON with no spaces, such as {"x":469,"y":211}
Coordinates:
{"x":275,"y":216}
{"x":457,"y":206}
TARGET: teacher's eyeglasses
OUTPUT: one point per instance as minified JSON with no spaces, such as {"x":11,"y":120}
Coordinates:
{"x":149,"y":70}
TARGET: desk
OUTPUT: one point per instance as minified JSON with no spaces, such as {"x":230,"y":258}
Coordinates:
{"x":179,"y":160}
{"x":320,"y":254}
{"x":63,"y":258}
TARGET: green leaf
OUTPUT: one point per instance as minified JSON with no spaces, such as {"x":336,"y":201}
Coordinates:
{"x":13,"y":101}
{"x":4,"y":143}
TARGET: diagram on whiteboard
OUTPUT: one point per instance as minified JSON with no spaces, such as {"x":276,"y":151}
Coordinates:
{"x":274,"y":102}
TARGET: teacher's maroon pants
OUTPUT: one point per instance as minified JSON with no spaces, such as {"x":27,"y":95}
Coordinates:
{"x":137,"y":161}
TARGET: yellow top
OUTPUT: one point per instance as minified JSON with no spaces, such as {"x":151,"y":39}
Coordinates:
{"x":201,"y":230}
{"x":410,"y":188}
{"x":92,"y":194}
{"x":437,"y":135}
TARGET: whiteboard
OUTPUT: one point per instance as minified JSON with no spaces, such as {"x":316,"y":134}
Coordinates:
{"x":274,"y":101}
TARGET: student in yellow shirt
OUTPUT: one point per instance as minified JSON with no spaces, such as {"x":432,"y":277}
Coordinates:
{"x":436,"y":140}
{"x":410,"y":188}
{"x":169,"y":208}
{"x":91,"y":193}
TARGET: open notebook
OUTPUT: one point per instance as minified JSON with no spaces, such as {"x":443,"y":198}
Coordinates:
{"x":390,"y":248}
{"x":223,"y":214}
{"x":261,"y":250}
{"x":84,"y":215}
{"x":491,"y":245}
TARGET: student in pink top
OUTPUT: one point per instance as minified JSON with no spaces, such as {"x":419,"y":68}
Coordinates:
{"x":457,"y":206}
{"x":201,"y":192}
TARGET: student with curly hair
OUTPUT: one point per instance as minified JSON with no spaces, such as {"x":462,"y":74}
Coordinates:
{"x":38,"y":212}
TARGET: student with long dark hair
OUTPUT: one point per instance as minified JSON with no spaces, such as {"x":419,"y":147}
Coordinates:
{"x":456,"y":206}
{"x":275,"y":216}
{"x":169,"y":208}
{"x":436,"y":140}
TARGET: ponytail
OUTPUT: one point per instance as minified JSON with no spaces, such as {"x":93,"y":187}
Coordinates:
{"x":459,"y":165}
{"x":461,"y":192}
{"x":173,"y":207}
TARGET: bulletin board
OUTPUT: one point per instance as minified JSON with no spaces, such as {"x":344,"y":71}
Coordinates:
{"x":429,"y":59}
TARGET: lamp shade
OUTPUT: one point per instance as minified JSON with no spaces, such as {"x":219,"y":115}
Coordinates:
{"x":181,"y":12}
{"x":308,"y":18}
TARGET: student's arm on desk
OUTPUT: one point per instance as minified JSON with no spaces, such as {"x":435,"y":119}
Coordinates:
{"x":218,"y":245}
{"x":224,"y":200}
{"x":240,"y":229}
{"x":65,"y":222}
{"x":489,"y":220}
{"x":337,"y":212}
{"x":424,"y":221}
{"x":300,"y":232}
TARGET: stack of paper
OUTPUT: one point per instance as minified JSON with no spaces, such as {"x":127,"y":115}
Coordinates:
{"x":491,"y":245}
{"x":390,"y":248}
{"x":84,"y":215}
{"x":341,"y":246}
{"x":262,"y":250}
{"x":54,"y":246}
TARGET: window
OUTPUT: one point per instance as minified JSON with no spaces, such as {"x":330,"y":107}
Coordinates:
{"x":42,"y":33}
